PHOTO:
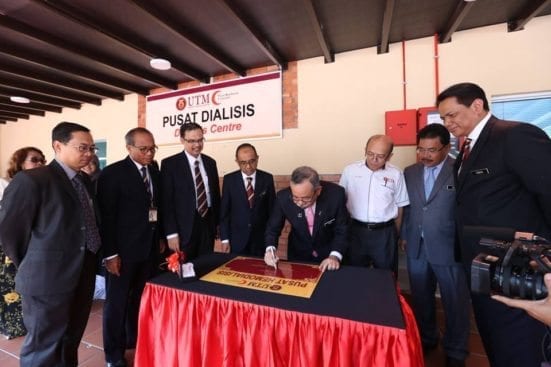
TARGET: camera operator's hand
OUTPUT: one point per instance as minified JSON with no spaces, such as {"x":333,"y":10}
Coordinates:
{"x":540,"y":309}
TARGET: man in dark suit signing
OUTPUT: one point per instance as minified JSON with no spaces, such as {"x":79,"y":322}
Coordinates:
{"x":317,"y":213}
{"x":128,"y":194}
{"x":190,"y":196}
{"x":48,"y":228}
{"x":247,"y":201}
{"x":503,"y":180}
{"x":428,"y":233}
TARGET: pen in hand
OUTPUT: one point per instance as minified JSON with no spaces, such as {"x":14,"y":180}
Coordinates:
{"x":270,"y":257}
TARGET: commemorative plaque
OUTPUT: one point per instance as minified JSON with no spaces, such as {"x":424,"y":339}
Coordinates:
{"x":293,"y":279}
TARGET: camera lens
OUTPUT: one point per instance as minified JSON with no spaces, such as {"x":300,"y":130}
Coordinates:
{"x":522,"y":282}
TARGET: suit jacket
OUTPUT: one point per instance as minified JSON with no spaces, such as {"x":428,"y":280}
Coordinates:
{"x":238,"y":222}
{"x":506,"y":181}
{"x":41,"y":230}
{"x":330,"y":224}
{"x":178,"y":198}
{"x":124,"y":206}
{"x":435,"y":216}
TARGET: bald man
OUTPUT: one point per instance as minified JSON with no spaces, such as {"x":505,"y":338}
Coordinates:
{"x":376,"y":194}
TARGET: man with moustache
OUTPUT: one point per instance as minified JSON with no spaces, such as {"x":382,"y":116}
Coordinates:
{"x":247,"y":200}
{"x":128,"y":195}
{"x":376,"y":194}
{"x":428,"y":235}
{"x":48,"y":228}
{"x":190,"y":196}
{"x":500,"y":183}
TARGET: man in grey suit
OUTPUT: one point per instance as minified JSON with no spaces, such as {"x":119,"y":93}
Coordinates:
{"x":48,"y":228}
{"x":428,"y":233}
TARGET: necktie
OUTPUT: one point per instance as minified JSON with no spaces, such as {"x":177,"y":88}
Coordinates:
{"x":93,"y":241}
{"x":250,"y":191}
{"x":429,"y":181}
{"x":466,"y":149}
{"x":202,"y":206}
{"x":147,"y":185}
{"x":310,"y":218}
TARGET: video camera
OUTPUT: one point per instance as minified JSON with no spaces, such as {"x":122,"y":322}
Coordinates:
{"x":514,"y":269}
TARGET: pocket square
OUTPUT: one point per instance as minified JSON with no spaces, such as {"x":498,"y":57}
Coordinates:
{"x":481,"y":171}
{"x":329,"y":222}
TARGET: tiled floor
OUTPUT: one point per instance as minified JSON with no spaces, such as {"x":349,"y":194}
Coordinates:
{"x":91,"y":349}
{"x":90,"y":353}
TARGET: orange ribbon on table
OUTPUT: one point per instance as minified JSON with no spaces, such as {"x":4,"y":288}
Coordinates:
{"x":174,"y":261}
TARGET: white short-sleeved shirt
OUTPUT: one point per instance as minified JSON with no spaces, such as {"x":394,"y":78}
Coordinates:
{"x":374,"y":196}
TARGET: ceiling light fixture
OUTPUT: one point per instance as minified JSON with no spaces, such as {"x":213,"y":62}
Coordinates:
{"x":18,"y":99}
{"x":160,"y":64}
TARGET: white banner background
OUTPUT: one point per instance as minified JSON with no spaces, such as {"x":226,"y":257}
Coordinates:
{"x":246,"y":108}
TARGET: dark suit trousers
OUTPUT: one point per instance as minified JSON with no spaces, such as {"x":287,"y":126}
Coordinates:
{"x":372,"y":247}
{"x":121,"y":307}
{"x":56,"y":323}
{"x":454,"y":291}
{"x":202,"y":236}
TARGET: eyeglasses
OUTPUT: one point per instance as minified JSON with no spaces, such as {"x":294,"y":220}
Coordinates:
{"x":86,"y":148}
{"x":375,"y":156}
{"x":429,"y":150}
{"x":250,"y":162}
{"x":144,"y":150}
{"x":197,"y":141}
{"x":305,"y":200}
{"x":36,"y":160}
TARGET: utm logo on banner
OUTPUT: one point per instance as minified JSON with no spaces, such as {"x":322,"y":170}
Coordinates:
{"x":246,"y":108}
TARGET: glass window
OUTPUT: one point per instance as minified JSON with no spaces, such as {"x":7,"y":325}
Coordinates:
{"x":534,"y":108}
{"x":102,"y":152}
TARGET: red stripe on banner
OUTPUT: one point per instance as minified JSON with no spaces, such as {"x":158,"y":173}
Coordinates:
{"x":230,"y":83}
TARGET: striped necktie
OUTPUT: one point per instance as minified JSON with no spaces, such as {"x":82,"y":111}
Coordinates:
{"x":147,"y":184}
{"x":250,"y":191}
{"x":202,"y":206}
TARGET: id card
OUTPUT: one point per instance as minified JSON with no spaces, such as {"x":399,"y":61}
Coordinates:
{"x":152,"y":215}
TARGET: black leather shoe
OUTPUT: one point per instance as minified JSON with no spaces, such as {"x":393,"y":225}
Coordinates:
{"x":121,"y":363}
{"x":454,"y":362}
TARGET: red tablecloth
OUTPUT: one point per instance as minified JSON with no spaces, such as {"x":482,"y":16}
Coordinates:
{"x":188,"y":329}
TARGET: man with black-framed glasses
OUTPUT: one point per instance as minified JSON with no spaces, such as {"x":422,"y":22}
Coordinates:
{"x":48,"y":228}
{"x":191,"y":196}
{"x":128,"y":195}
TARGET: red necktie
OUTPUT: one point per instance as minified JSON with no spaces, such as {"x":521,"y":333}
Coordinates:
{"x":466,"y":149}
{"x":250,"y":191}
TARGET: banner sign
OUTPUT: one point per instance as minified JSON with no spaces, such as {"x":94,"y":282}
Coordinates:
{"x":246,"y":108}
{"x":292,"y":279}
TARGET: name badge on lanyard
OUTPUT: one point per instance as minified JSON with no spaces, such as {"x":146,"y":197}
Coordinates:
{"x":152,"y":215}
